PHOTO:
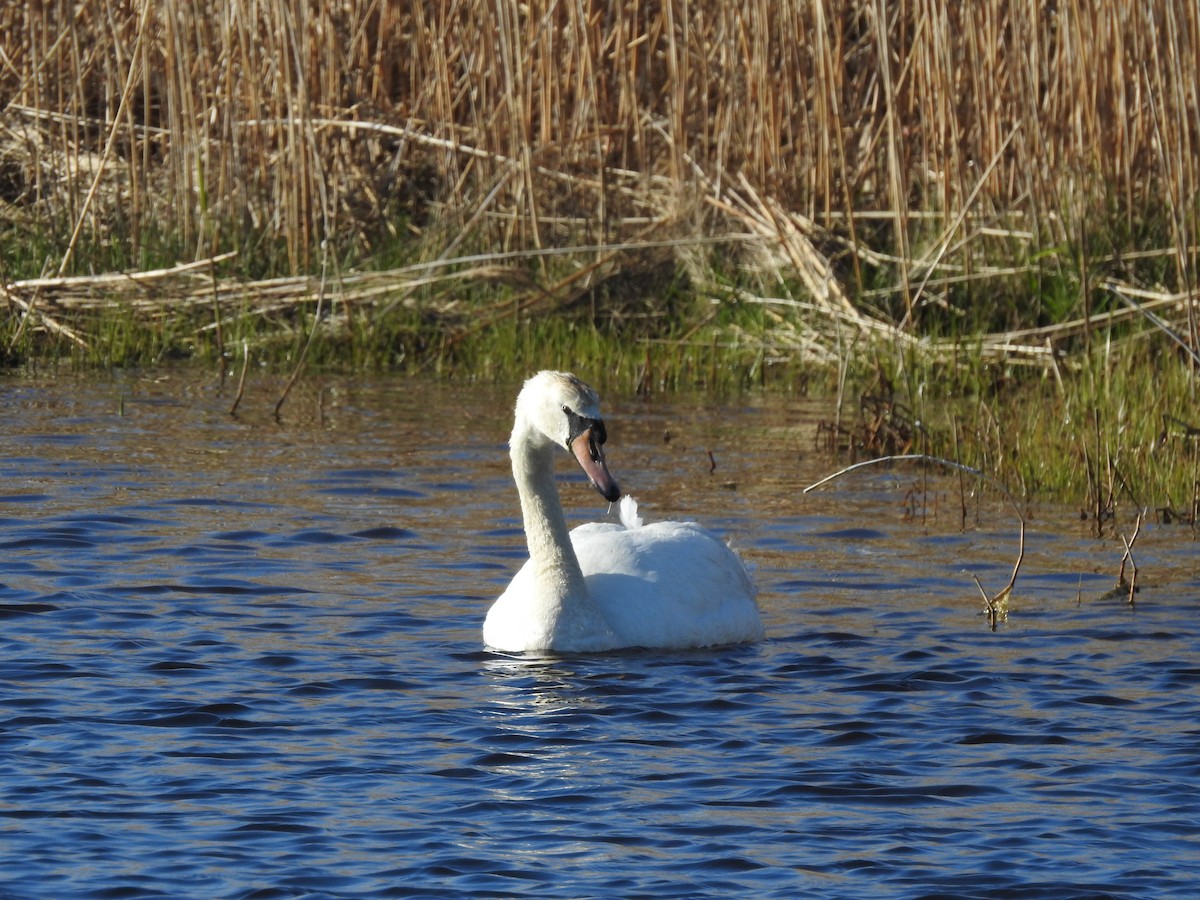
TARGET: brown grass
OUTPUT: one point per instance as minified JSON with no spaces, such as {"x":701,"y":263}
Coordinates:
{"x":897,"y":152}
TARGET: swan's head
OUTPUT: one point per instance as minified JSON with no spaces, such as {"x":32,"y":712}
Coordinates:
{"x":558,"y":408}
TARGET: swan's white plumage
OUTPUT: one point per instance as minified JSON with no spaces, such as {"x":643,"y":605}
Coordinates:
{"x":627,"y":509}
{"x":606,"y":586}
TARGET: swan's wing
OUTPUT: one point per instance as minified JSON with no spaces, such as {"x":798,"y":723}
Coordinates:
{"x":669,"y":584}
{"x":663,"y":550}
{"x":591,"y":528}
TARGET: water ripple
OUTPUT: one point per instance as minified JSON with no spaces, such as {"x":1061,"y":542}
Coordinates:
{"x":259,"y":675}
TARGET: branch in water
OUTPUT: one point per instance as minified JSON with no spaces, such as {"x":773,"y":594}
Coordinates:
{"x":997,"y":606}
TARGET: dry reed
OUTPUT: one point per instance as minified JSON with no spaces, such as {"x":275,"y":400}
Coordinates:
{"x":897,"y":148}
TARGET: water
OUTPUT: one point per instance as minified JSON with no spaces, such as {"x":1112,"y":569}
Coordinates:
{"x":241,"y":658}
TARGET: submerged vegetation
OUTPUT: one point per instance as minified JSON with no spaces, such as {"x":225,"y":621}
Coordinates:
{"x":975,"y":223}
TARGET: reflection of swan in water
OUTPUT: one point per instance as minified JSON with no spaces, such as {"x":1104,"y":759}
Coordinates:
{"x":606,"y":586}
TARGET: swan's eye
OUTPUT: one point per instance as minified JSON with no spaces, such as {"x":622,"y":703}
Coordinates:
{"x":577,"y":425}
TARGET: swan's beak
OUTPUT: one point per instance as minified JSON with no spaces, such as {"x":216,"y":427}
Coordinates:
{"x":588,"y":453}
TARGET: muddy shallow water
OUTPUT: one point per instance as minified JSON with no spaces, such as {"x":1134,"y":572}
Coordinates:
{"x":241,"y":657}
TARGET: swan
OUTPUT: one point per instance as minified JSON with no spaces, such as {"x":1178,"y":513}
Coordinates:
{"x":604,"y":585}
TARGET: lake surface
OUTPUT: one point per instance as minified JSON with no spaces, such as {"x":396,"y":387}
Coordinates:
{"x":241,"y":657}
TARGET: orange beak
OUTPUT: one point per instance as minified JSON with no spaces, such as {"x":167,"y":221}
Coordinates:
{"x":590,"y":456}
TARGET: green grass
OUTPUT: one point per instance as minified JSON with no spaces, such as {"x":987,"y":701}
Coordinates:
{"x":1112,"y":429}
{"x":1116,"y":433}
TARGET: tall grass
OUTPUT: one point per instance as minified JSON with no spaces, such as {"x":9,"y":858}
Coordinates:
{"x":925,"y":199}
{"x":859,"y":184}
{"x":942,"y":135}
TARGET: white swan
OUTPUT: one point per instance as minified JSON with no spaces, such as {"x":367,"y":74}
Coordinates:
{"x":606,"y":586}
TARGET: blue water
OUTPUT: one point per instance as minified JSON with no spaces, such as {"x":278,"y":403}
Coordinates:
{"x":241,"y":658}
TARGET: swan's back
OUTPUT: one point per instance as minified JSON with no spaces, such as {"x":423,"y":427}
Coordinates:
{"x":669,"y":584}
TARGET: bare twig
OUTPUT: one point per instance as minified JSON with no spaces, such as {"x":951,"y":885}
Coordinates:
{"x":113,"y":280}
{"x":962,"y":490}
{"x":316,"y":324}
{"x":922,"y":457}
{"x":997,"y":606}
{"x":29,"y":308}
{"x":1127,"y":556}
{"x":990,"y":606}
{"x":1153,"y":319}
{"x":242,"y":379}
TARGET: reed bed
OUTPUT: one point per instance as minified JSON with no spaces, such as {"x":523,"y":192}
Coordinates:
{"x":1013,"y":183}
{"x":921,"y":141}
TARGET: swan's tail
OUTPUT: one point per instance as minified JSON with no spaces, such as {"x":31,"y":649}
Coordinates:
{"x":627,"y":509}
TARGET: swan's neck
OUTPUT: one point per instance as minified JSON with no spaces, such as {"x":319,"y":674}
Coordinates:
{"x":555,"y":566}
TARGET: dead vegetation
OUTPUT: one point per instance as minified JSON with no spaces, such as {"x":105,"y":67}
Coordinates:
{"x":855,"y":186}
{"x":998,"y":605}
{"x":893,"y":164}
